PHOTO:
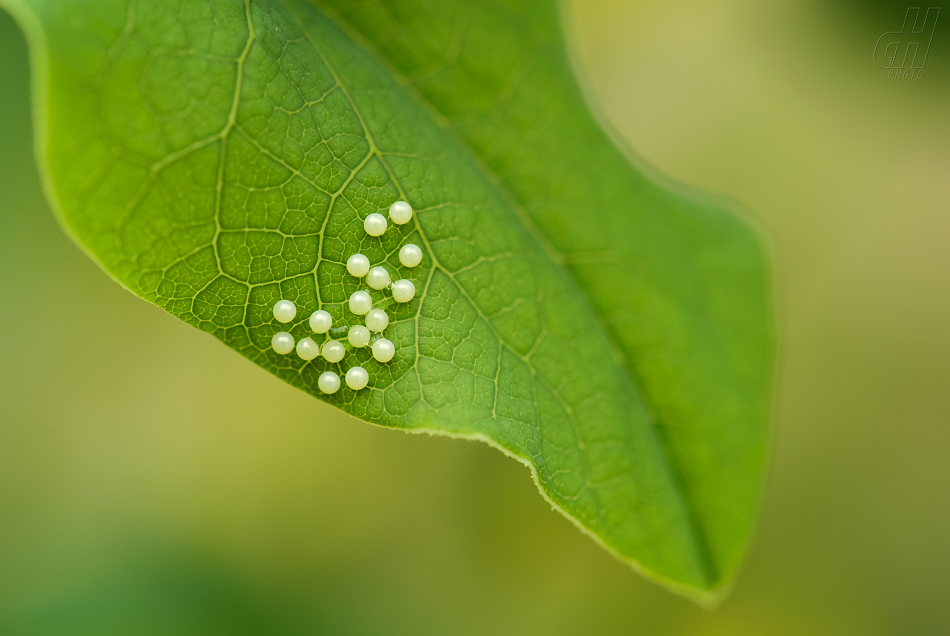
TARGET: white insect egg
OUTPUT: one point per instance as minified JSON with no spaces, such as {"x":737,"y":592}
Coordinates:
{"x":375,"y":224}
{"x":282,"y":342}
{"x":320,"y":321}
{"x":308,"y":349}
{"x":329,"y":382}
{"x":357,"y":265}
{"x":360,"y":303}
{"x":377,"y":320}
{"x":410,"y":255}
{"x":400,"y":212}
{"x":357,"y":378}
{"x":358,"y":335}
{"x":333,"y":350}
{"x":403,"y":291}
{"x":378,"y":278}
{"x":284,"y":311}
{"x":383,"y":350}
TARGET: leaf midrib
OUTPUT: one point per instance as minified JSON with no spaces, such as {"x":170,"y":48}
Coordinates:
{"x":700,"y":540}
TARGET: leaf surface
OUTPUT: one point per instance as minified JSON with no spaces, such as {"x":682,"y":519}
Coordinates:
{"x":613,"y":334}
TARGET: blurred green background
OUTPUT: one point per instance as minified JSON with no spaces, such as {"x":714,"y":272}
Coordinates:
{"x":160,"y":484}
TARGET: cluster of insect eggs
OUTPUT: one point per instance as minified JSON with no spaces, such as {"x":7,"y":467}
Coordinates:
{"x":361,"y":304}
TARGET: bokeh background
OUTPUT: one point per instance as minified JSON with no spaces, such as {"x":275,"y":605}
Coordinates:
{"x":154,"y":482}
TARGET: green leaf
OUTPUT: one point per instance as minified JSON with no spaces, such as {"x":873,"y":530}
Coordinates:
{"x":610,"y":332}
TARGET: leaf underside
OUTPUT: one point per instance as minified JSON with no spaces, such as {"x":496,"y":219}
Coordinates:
{"x":611,"y":333}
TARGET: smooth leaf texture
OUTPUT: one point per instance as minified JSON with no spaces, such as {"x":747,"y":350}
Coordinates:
{"x":612,"y":334}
